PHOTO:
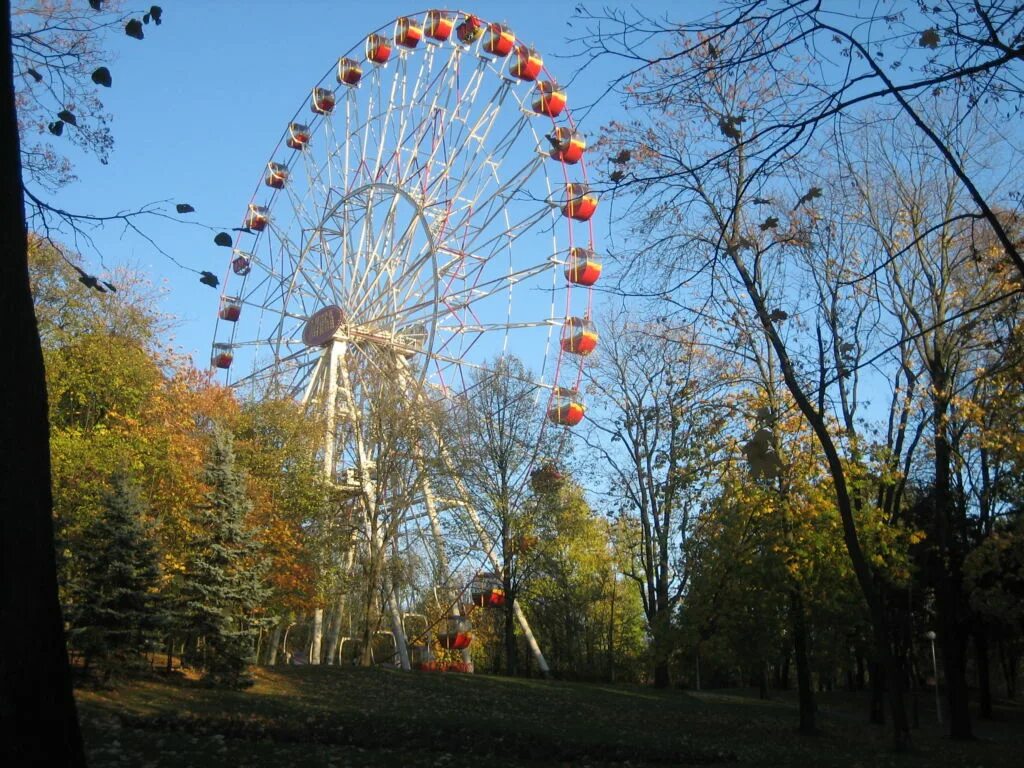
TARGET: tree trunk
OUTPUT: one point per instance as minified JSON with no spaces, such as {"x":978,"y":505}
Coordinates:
{"x":272,"y":644}
{"x":876,"y":715}
{"x":846,"y":504}
{"x":334,"y":631}
{"x":798,"y":622}
{"x":38,"y":719}
{"x":1008,"y":661}
{"x":949,"y":597}
{"x":984,"y":672}
{"x":318,"y":634}
{"x":509,"y":630}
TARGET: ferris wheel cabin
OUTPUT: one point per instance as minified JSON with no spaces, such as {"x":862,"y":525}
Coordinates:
{"x":277,"y":175}
{"x":350,"y":71}
{"x":322,"y":101}
{"x":567,"y":146}
{"x":580,"y":203}
{"x":378,"y":49}
{"x":583,"y":267}
{"x":409,"y":33}
{"x":230,"y":309}
{"x":500,"y":40}
{"x":241,"y":263}
{"x":222,"y":356}
{"x":439,"y":25}
{"x":566,"y":407}
{"x":485,"y":591}
{"x":550,"y":99}
{"x":470,"y":30}
{"x":298,"y":136}
{"x":579,"y":336}
{"x":458,"y":634}
{"x":257,"y":217}
{"x":526,"y":65}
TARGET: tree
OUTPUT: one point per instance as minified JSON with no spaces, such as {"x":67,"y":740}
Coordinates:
{"x":223,"y":581}
{"x":683,"y":148}
{"x":495,"y":441}
{"x":38,"y":721}
{"x":590,"y":622}
{"x":113,"y":611}
{"x":965,"y":53}
{"x":662,"y":432}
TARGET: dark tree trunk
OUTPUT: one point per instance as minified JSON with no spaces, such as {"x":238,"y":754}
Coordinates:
{"x":984,"y":672}
{"x":38,"y":720}
{"x":798,"y":623}
{"x":509,"y":629}
{"x":661,"y":675}
{"x":949,"y":596}
{"x":876,"y":715}
{"x":1008,"y":660}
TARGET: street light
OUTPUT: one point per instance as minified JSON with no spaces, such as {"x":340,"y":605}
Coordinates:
{"x":935,"y":672}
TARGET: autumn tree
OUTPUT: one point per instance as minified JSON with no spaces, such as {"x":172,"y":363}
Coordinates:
{"x":39,"y":722}
{"x":495,"y":441}
{"x":588,"y":618}
{"x":659,"y":432}
{"x":695,"y":187}
{"x":963,"y":53}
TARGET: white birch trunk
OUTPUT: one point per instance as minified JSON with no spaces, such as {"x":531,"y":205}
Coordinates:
{"x":318,"y":633}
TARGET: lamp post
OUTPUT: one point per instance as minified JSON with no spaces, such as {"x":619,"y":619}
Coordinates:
{"x":935,"y":672}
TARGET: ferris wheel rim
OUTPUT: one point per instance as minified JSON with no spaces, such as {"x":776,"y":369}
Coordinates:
{"x":484,"y":63}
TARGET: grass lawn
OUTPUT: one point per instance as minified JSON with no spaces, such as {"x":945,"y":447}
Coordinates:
{"x":330,"y":716}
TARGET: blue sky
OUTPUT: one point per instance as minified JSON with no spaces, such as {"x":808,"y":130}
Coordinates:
{"x":200,"y":104}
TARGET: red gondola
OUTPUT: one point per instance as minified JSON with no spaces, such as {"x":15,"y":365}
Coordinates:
{"x":579,"y":336}
{"x":409,"y":33}
{"x":567,"y":145}
{"x":527,"y":64}
{"x":500,"y":40}
{"x":378,"y":49}
{"x":583,"y":267}
{"x":566,"y":407}
{"x":277,"y":175}
{"x":322,"y":102}
{"x":485,"y":591}
{"x":222,"y":356}
{"x":580,"y":204}
{"x":439,"y":25}
{"x":298,"y":136}
{"x":458,"y":634}
{"x":350,"y":71}
{"x":230,"y":309}
{"x":550,"y":99}
{"x":241,"y":264}
{"x":257,"y":217}
{"x":470,"y":30}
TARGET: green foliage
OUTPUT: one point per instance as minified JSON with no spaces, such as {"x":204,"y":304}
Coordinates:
{"x":994,"y":573}
{"x":113,"y":611}
{"x":223,"y":580}
{"x":589,"y":621}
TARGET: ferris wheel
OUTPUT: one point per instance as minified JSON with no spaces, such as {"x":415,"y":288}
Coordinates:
{"x":425,"y":211}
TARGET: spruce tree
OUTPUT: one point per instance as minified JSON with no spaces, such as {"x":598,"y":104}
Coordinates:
{"x":114,"y":612}
{"x":224,"y":576}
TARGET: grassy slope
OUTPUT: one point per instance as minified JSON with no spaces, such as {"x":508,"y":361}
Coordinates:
{"x":330,"y":716}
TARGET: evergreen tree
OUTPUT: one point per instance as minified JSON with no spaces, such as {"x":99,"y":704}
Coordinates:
{"x":114,"y":612}
{"x":224,"y":578}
